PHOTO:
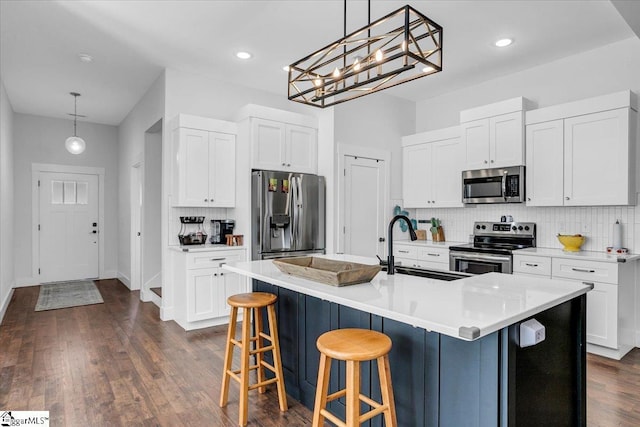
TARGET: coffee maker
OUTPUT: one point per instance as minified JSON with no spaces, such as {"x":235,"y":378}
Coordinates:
{"x":220,"y":228}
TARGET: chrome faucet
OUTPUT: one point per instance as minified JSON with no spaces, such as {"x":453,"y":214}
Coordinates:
{"x":390,"y":262}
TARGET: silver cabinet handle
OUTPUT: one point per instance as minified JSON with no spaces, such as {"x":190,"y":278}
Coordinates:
{"x":428,"y":201}
{"x":217,"y":259}
{"x":403,"y":252}
{"x":528,"y":199}
{"x":206,"y":200}
{"x":288,"y":164}
{"x":215,"y":274}
{"x":433,"y":201}
{"x":284,"y":164}
{"x":491,"y":161}
{"x":583,"y":270}
{"x":433,"y":254}
{"x":530,"y":265}
{"x":588,"y":283}
{"x":485,"y":162}
{"x":566,"y":198}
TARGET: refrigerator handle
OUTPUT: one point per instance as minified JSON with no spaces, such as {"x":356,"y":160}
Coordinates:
{"x":295,"y":217}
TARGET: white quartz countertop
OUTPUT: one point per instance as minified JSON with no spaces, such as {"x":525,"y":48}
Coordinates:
{"x":204,"y":248}
{"x":466,"y":309}
{"x":581,"y":255}
{"x":427,"y":243}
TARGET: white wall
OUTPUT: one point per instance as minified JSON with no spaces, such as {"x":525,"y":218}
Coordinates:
{"x":41,"y":140}
{"x":7,"y":275}
{"x":131,"y":139}
{"x":377,"y":121}
{"x":151,"y":232}
{"x":597,"y":72}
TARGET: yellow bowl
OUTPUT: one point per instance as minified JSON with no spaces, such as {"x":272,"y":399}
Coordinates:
{"x":571,"y":243}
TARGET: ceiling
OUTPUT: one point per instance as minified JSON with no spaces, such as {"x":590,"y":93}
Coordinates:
{"x":133,"y":41}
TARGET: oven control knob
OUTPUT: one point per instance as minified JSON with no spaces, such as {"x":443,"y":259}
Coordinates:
{"x":484,"y":227}
{"x":477,"y":227}
{"x":526,"y":228}
{"x":514,"y":228}
{"x":520,"y":228}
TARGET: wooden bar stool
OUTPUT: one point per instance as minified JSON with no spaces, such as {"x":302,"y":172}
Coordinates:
{"x":251,"y":304}
{"x":354,"y":346}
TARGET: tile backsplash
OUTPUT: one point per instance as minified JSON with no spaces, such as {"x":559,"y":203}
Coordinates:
{"x":596,"y":223}
{"x":208,"y":213}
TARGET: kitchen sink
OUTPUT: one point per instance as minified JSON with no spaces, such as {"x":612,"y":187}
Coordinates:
{"x":429,"y":274}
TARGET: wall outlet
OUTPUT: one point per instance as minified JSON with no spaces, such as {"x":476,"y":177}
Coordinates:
{"x":532,"y":332}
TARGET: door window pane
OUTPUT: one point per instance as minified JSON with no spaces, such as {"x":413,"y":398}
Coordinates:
{"x":69,"y":192}
{"x":57,"y":192}
{"x":82,"y":193}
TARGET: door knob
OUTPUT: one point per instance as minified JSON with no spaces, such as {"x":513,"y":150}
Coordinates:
{"x":381,"y":239}
{"x":485,"y":162}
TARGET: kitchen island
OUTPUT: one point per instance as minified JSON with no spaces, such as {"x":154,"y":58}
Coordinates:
{"x":456,"y":359}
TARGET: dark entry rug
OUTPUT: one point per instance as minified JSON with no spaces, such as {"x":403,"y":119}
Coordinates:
{"x":67,"y":294}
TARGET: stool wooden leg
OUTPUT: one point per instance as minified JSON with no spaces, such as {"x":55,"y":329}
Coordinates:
{"x":244,"y":366}
{"x":257,"y":324}
{"x":386,"y":390}
{"x":277,"y":361}
{"x":321,"y":390}
{"x":228,"y":357}
{"x":353,"y":394}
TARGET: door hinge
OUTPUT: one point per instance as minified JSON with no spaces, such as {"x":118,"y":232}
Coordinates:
{"x":38,"y":227}
{"x":38,"y":271}
{"x":344,"y":230}
{"x":344,"y":172}
{"x":38,"y":183}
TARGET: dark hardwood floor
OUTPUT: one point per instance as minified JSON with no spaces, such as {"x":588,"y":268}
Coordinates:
{"x":117,"y":364}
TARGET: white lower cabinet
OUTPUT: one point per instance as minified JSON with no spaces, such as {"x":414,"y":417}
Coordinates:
{"x":610,"y":304}
{"x":421,"y":256}
{"x":202,"y":286}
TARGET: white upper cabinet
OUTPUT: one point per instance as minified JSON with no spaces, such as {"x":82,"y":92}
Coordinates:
{"x":204,"y":168}
{"x":432,"y":169}
{"x":283,"y":146}
{"x":493,"y":135}
{"x":583,"y":153}
{"x":545,"y":164}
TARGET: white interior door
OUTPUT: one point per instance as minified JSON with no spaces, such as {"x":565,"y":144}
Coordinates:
{"x":364,"y":206}
{"x":69,"y":229}
{"x":137,"y":173}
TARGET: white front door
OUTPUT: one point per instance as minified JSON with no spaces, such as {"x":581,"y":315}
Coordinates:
{"x":364,"y":206}
{"x":68,"y":226}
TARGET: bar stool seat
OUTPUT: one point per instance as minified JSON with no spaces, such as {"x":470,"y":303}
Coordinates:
{"x":251,"y":304}
{"x":354,"y":346}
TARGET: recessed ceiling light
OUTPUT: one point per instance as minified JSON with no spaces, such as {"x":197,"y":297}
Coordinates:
{"x":243,"y":55}
{"x":85,"y":57}
{"x":504,"y":42}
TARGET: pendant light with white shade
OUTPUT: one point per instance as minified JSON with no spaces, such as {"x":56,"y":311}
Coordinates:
{"x":75,"y":144}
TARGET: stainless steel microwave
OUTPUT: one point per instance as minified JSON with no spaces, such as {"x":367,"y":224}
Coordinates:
{"x":498,"y":185}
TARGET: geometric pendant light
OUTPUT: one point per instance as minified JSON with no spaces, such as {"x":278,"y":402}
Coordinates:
{"x":397,"y":48}
{"x":75,"y":144}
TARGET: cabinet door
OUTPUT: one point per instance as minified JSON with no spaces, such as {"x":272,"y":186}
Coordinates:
{"x":545,"y":164}
{"x":268,"y":144}
{"x":301,"y":153}
{"x":229,"y":284}
{"x":222,"y":170}
{"x":475,"y":136}
{"x":505,"y":140}
{"x":596,"y":153}
{"x":416,"y":176}
{"x":202,"y":294}
{"x":193,"y":168}
{"x":446,"y":173}
{"x":602,"y":315}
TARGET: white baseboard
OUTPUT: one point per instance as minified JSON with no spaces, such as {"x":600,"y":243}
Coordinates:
{"x":5,"y":304}
{"x":124,"y":279}
{"x":23,"y":282}
{"x":109,"y":274}
{"x":637,"y":338}
{"x":154,"y":282}
{"x":155,"y":298}
{"x":166,"y":313}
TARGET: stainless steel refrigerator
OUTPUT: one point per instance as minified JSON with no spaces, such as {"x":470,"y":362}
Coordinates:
{"x":287,"y":214}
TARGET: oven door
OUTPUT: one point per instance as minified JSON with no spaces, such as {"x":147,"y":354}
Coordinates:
{"x":479,"y":263}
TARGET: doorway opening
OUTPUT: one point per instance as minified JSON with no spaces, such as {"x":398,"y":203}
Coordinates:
{"x":363,"y":183}
{"x":146,"y":193}
{"x":67,"y":218}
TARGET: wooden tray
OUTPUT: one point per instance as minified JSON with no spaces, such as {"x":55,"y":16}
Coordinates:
{"x":330,"y":272}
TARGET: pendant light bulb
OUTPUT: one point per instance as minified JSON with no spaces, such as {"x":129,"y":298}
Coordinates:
{"x":379,"y":55}
{"x":317,"y":81}
{"x":74,"y":144}
{"x":336,"y":73}
{"x":357,"y":64}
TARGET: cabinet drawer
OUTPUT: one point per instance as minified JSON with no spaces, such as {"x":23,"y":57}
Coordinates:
{"x":590,"y":271}
{"x":439,"y":255}
{"x":405,"y":251}
{"x":532,"y":265}
{"x":213,"y":259}
{"x":405,"y":262}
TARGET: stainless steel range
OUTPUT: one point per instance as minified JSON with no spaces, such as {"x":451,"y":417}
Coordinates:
{"x":492,"y":247}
